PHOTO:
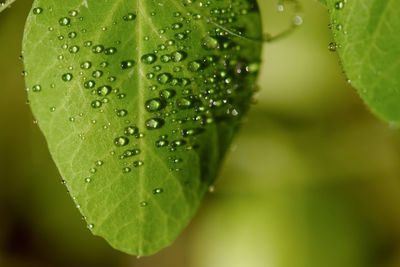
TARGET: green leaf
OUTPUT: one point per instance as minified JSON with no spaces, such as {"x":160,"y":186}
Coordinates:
{"x":367,"y":39}
{"x":322,"y":2}
{"x":139,"y":101}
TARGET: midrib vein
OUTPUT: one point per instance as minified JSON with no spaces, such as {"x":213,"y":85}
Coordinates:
{"x":139,"y":40}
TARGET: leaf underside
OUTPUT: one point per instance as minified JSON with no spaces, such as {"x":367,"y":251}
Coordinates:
{"x":139,"y":101}
{"x":367,"y":38}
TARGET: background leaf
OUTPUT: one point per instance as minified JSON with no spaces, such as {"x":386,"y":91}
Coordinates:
{"x":367,"y":39}
{"x":139,"y":101}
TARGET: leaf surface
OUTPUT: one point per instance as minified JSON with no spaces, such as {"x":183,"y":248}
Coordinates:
{"x":139,"y":101}
{"x":367,"y":39}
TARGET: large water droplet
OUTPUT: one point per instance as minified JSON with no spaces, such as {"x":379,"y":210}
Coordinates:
{"x":154,"y":123}
{"x":127,"y":64}
{"x":121,"y":141}
{"x":154,"y":104}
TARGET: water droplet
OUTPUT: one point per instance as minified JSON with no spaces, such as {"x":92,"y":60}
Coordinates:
{"x":178,"y":56}
{"x":129,"y":17}
{"x":184,"y":103}
{"x":126,"y":170}
{"x":180,"y":36}
{"x":73,"y":13}
{"x":149,"y":58}
{"x":161,"y":143}
{"x":121,"y":141}
{"x":154,"y":123}
{"x":64,"y":21}
{"x":97,"y":49}
{"x":74,"y":49}
{"x":339,"y":5}
{"x":104,"y":90}
{"x":176,"y":26}
{"x":178,"y":143}
{"x":195,"y":66}
{"x":86,"y":65}
{"x":130,"y":153}
{"x":191,"y":131}
{"x":72,"y":35}
{"x":37,"y":10}
{"x":96,"y":104}
{"x":121,"y":112}
{"x":138,"y":163}
{"x":209,"y":43}
{"x":154,"y":104}
{"x":164,"y":78}
{"x":67,"y":77}
{"x":127,"y":64}
{"x":97,"y":74}
{"x":332,"y":46}
{"x":36,"y":88}
{"x":89,"y":84}
{"x":165,"y":58}
{"x":158,"y":191}
{"x":167,"y":93}
{"x":110,"y":51}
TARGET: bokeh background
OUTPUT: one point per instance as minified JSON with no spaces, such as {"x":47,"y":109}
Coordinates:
{"x":312,"y":179}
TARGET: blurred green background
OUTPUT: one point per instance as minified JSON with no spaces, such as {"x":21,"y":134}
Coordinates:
{"x":312,"y":180}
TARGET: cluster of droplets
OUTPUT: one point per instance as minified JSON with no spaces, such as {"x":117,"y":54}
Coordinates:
{"x":337,"y":27}
{"x":188,"y":92}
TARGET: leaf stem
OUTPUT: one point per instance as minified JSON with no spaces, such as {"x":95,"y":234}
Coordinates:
{"x":6,"y":4}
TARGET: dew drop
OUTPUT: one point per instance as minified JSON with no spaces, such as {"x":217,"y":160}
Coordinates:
{"x":104,"y":90}
{"x":129,"y":17}
{"x":138,"y":163}
{"x":96,"y":104}
{"x":149,"y":58}
{"x":126,"y":170}
{"x":37,"y":10}
{"x":164,"y":78}
{"x":127,"y":64}
{"x":121,"y":141}
{"x":37,"y":88}
{"x":178,"y":56}
{"x":121,"y":112}
{"x":339,"y":5}
{"x":97,"y":49}
{"x":154,"y":104}
{"x":131,"y":130}
{"x":209,"y":43}
{"x":110,"y":51}
{"x":86,"y":65}
{"x":194,"y":66}
{"x":64,"y":21}
{"x":332,"y":46}
{"x":158,"y":191}
{"x":67,"y":77}
{"x":167,"y":93}
{"x":154,"y":123}
{"x":89,"y":84}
